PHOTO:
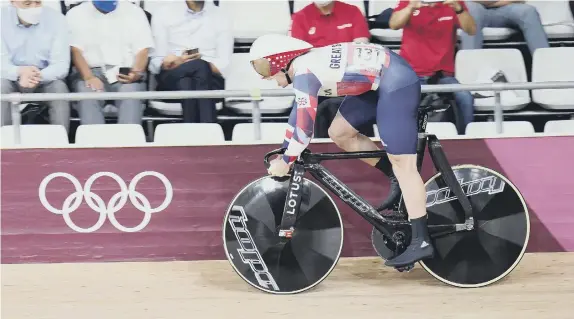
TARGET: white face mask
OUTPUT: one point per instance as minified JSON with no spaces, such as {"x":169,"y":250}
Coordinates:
{"x":30,"y":15}
{"x":322,"y":3}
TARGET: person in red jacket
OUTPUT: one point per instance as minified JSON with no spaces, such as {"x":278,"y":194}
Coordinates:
{"x":324,"y":23}
{"x":428,"y":44}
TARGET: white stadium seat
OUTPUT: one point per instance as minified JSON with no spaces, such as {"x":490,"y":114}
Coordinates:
{"x":472,"y":65}
{"x":553,"y":64}
{"x":35,"y":136}
{"x":300,"y":4}
{"x":110,"y":135}
{"x":509,"y":129}
{"x":559,"y":127}
{"x":243,"y":77}
{"x":387,"y":35}
{"x":251,"y":19}
{"x":270,"y":133}
{"x":442,"y":129}
{"x":493,"y":34}
{"x":556,"y":18}
{"x":183,"y":134}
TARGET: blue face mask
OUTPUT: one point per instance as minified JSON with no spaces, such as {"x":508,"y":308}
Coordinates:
{"x":105,"y":6}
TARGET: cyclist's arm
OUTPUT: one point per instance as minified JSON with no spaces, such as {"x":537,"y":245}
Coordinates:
{"x":302,"y":120}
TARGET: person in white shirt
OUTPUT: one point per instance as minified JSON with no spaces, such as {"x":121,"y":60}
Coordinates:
{"x":35,"y":55}
{"x":110,"y":43}
{"x":192,"y":52}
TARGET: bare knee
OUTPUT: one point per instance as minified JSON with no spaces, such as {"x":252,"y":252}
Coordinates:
{"x":341,"y":132}
{"x":404,"y":164}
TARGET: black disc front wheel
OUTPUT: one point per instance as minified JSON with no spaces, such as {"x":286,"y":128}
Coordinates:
{"x":268,"y":263}
{"x":489,"y":252}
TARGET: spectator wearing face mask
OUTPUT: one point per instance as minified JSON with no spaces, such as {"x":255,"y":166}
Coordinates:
{"x":193,"y":52}
{"x":428,"y":44}
{"x":110,"y":42}
{"x":323,"y":23}
{"x":35,"y":55}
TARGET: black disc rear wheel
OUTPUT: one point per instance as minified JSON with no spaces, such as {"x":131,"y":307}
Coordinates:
{"x":494,"y":248}
{"x":256,"y":252}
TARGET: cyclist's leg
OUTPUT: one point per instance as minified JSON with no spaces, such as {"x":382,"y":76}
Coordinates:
{"x":354,"y":112}
{"x":397,"y":124}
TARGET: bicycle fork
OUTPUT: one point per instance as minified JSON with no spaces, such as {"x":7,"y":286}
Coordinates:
{"x":292,"y":202}
{"x":443,"y":166}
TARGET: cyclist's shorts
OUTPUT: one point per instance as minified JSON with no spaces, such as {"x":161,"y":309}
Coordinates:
{"x":394,"y":107}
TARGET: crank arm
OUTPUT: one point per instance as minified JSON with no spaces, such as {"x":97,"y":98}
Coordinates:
{"x":436,"y":231}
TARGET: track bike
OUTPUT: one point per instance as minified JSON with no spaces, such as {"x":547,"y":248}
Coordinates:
{"x":285,"y":235}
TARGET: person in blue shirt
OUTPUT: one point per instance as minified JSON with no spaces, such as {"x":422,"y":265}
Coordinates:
{"x":35,"y":55}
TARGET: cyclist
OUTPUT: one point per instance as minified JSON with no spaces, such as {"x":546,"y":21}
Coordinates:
{"x":377,"y":84}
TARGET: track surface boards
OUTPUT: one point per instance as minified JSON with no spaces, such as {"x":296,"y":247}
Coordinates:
{"x":541,"y":287}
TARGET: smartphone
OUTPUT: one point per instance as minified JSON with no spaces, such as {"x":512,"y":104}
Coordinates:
{"x":125,"y":71}
{"x":191,"y":52}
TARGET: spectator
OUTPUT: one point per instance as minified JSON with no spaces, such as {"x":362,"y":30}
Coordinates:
{"x":324,"y":23}
{"x":35,"y":55}
{"x":428,"y":44}
{"x":193,"y":52}
{"x":328,"y":22}
{"x":106,"y":36}
{"x":505,"y":14}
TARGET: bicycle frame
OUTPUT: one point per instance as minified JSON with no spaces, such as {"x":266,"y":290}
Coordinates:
{"x":311,"y":162}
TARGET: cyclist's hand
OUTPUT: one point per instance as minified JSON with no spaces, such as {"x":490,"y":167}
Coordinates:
{"x":278,"y":167}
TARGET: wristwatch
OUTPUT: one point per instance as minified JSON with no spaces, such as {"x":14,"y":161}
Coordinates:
{"x":460,"y":11}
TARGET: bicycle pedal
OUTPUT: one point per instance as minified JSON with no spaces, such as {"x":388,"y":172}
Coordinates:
{"x":406,"y":268}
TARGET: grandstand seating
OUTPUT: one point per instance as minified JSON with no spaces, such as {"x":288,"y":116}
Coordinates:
{"x":251,"y":19}
{"x":384,"y":35}
{"x":35,"y":136}
{"x":440,"y":129}
{"x":110,"y":135}
{"x":270,"y":133}
{"x":553,"y":64}
{"x":556,"y":18}
{"x":559,"y":127}
{"x":476,"y":66}
{"x":509,"y":129}
{"x":178,"y":134}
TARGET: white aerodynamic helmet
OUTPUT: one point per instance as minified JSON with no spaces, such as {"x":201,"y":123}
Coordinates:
{"x":278,"y":49}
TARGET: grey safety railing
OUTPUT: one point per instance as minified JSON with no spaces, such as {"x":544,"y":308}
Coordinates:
{"x":256,"y":96}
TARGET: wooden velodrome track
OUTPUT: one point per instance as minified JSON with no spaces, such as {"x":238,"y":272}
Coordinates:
{"x":542,"y":286}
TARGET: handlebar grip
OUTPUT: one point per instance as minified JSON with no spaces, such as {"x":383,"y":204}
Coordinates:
{"x":278,"y":151}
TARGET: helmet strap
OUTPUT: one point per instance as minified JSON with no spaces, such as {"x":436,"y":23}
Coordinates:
{"x":287,"y":76}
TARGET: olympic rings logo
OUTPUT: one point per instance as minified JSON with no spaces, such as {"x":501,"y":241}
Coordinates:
{"x":95,"y":202}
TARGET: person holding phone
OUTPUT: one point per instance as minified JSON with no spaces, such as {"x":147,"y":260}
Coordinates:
{"x":109,"y":55}
{"x":429,"y":40}
{"x":192,"y":53}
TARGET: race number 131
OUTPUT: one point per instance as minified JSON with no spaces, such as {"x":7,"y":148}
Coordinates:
{"x":367,"y":55}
